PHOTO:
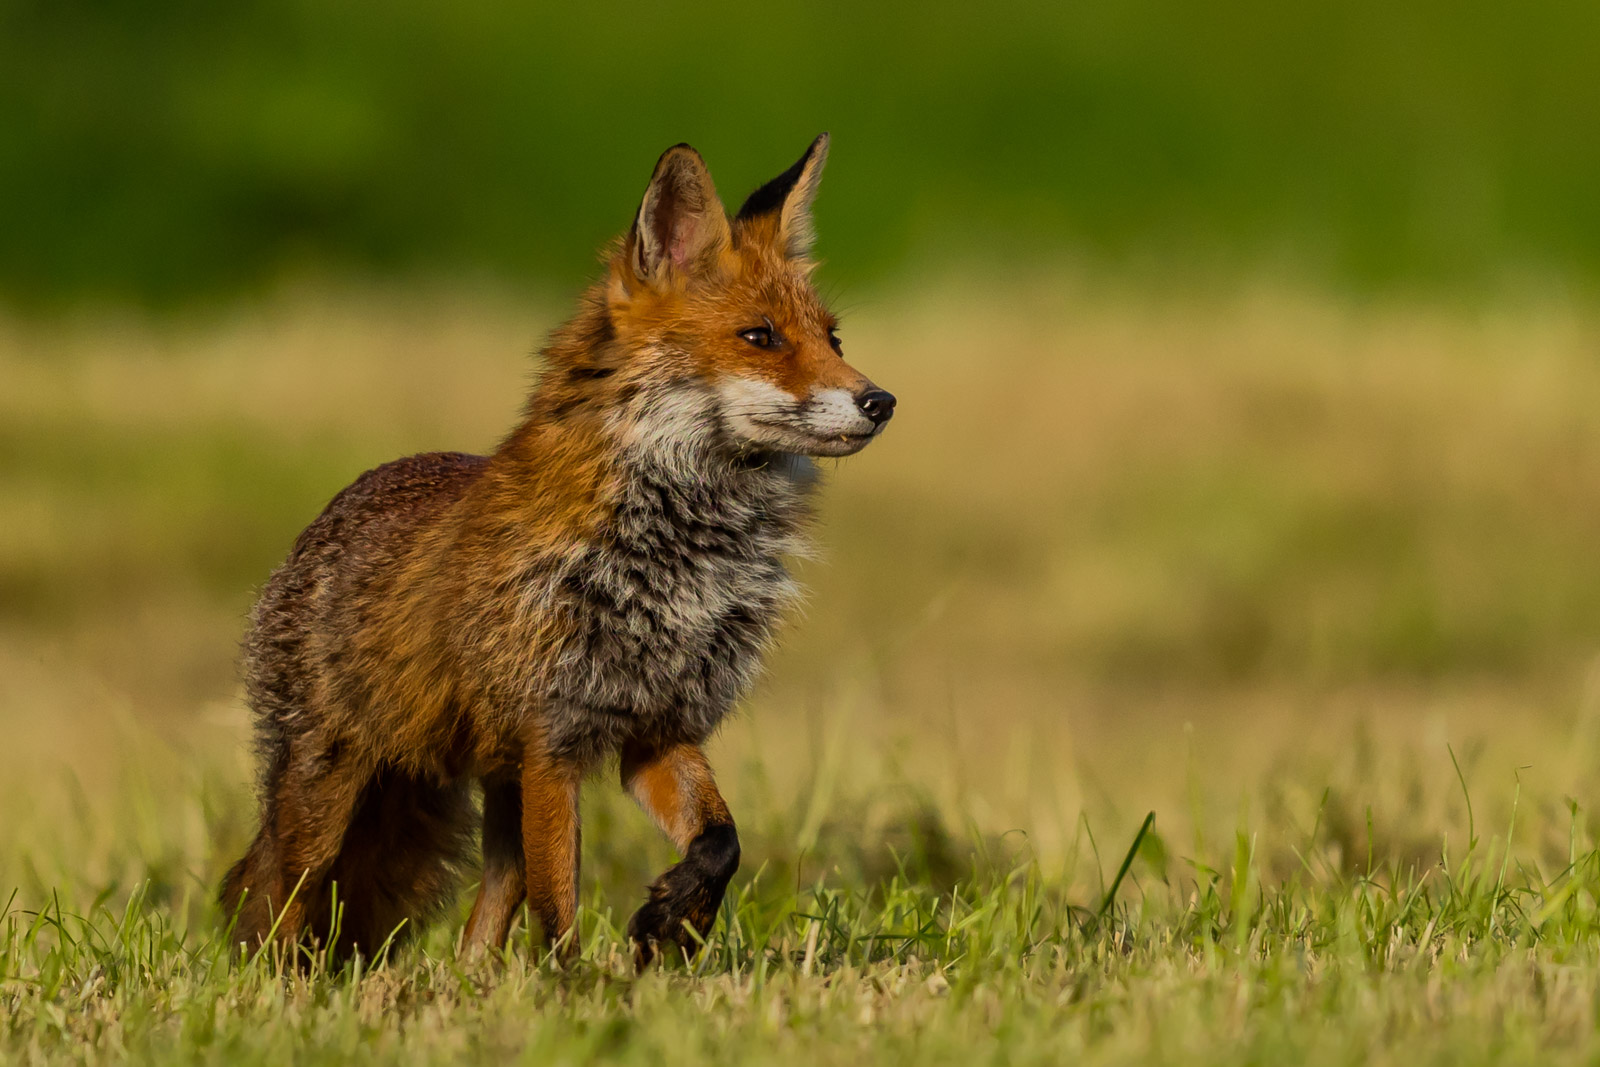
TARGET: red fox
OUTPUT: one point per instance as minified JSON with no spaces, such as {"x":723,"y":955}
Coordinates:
{"x":605,"y":583}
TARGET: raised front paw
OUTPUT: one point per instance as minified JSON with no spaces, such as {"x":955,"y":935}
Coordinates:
{"x":686,"y":898}
{"x":650,"y":926}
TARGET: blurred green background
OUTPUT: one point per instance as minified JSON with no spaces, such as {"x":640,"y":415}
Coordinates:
{"x":1249,"y":436}
{"x":169,"y":150}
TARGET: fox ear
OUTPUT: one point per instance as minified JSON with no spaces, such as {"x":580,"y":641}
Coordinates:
{"x":680,"y":220}
{"x":789,"y":197}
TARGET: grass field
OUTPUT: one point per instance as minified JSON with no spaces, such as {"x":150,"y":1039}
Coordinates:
{"x":1313,"y":581}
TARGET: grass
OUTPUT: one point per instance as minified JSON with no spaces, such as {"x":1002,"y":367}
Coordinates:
{"x":1471,"y":958}
{"x":1311,"y":581}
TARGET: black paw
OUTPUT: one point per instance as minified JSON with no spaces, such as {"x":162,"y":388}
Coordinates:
{"x":652,"y":925}
{"x":687,"y":897}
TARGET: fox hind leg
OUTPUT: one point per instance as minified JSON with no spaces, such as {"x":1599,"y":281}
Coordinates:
{"x":310,"y":799}
{"x":504,"y":885}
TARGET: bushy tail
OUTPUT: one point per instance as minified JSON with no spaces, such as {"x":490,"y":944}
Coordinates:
{"x":396,"y":868}
{"x":399,"y":864}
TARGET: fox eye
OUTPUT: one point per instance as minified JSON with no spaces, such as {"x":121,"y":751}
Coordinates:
{"x":833,"y":339}
{"x":760,"y":336}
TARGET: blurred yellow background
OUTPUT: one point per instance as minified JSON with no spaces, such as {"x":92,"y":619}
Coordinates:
{"x":1248,"y":453}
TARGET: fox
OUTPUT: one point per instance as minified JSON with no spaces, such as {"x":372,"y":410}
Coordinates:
{"x":458,"y":640}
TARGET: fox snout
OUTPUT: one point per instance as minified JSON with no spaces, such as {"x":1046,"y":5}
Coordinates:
{"x":877,"y":405}
{"x":841,"y":422}
{"x":835,"y":421}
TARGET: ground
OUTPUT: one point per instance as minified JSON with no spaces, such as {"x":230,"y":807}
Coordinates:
{"x":1311,"y":580}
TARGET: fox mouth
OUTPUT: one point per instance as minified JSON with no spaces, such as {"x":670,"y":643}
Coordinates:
{"x":846,"y":444}
{"x":830,"y":422}
{"x":787,"y":437}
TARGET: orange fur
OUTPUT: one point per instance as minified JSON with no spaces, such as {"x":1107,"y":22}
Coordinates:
{"x":603,"y":582}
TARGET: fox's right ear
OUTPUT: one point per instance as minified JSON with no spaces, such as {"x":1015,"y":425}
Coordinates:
{"x":787,"y":199}
{"x":681,"y":223}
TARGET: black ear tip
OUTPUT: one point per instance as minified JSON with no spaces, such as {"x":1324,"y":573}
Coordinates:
{"x":770,"y":197}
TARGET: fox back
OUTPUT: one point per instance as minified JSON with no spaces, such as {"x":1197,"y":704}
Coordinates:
{"x":605,"y":583}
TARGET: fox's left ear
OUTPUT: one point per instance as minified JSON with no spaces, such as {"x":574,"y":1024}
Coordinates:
{"x":681,"y":222}
{"x":788,"y":197}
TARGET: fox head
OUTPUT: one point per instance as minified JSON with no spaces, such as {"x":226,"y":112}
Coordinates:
{"x":719,"y":316}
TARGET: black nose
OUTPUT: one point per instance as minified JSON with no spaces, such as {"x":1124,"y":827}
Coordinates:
{"x":876,"y":404}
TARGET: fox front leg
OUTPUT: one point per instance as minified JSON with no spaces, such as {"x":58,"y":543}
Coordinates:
{"x":551,"y":845}
{"x":674,"y":784}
